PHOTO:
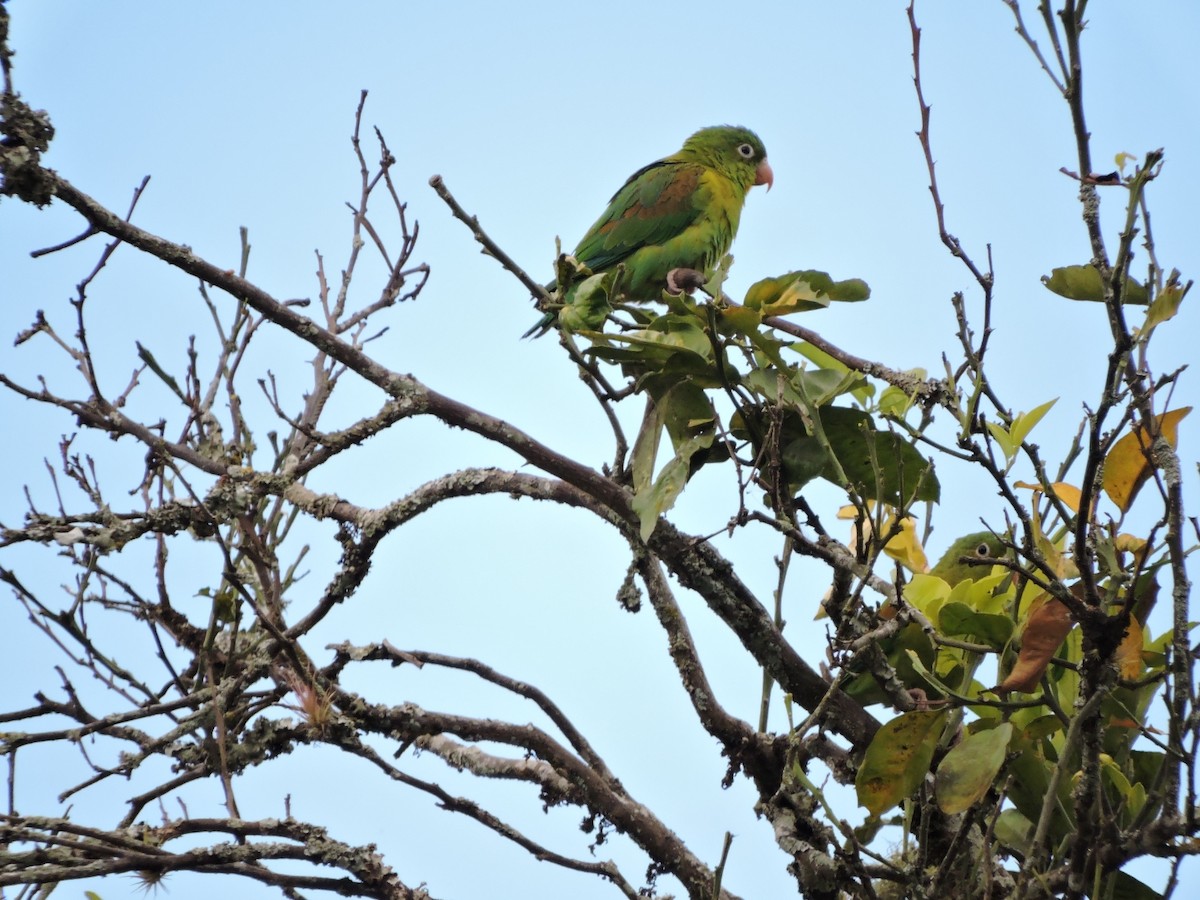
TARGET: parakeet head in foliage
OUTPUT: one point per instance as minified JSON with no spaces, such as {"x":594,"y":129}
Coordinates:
{"x":978,"y":545}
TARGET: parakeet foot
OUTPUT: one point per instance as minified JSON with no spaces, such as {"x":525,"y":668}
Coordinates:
{"x":685,"y":281}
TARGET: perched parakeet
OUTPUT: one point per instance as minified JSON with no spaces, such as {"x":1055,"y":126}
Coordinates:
{"x":680,"y":212}
{"x":979,"y":544}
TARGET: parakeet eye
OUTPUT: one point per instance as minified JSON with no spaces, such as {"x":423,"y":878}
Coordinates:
{"x":745,"y":150}
{"x":983,"y":550}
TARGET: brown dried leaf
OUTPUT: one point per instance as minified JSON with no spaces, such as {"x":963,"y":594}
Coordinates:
{"x":1048,"y":624}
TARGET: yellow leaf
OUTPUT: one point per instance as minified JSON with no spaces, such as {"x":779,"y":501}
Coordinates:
{"x":898,"y":759}
{"x":1067,"y":493}
{"x":1061,"y":562}
{"x":1129,"y":651}
{"x":1084,"y":283}
{"x":906,"y":548}
{"x":927,"y":593}
{"x":1127,"y":466}
{"x":1129,"y":543}
{"x":850,"y":511}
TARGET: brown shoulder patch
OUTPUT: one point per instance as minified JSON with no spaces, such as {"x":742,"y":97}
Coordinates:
{"x":674,"y":194}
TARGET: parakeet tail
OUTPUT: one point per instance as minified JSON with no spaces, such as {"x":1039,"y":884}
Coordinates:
{"x":544,"y":324}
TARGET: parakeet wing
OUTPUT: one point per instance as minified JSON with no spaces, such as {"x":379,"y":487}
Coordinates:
{"x":656,"y":204}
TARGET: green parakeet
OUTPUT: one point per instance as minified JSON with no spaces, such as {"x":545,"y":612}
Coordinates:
{"x":979,"y":544}
{"x":680,"y":212}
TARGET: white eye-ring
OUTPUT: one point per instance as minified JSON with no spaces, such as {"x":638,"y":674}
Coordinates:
{"x":983,"y":550}
{"x":745,"y":150}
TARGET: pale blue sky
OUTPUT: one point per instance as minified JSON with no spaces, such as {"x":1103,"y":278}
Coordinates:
{"x":534,"y":114}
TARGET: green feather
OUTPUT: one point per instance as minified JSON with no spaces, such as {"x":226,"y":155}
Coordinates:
{"x":679,"y":212}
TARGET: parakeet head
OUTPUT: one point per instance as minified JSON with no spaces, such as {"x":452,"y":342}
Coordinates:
{"x":735,"y":152}
{"x":979,"y":544}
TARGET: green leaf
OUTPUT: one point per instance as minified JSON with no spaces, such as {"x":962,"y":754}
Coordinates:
{"x":898,"y":759}
{"x":918,"y":665}
{"x":1166,"y":304}
{"x":1014,"y":831}
{"x":1031,"y":782}
{"x":1126,"y":887}
{"x":1042,"y":726}
{"x":743,"y":320}
{"x":1001,"y":436}
{"x":1147,"y":764}
{"x":1084,"y":283}
{"x":801,"y":291}
{"x":668,"y":337}
{"x":1010,"y":438}
{"x":1135,"y":801}
{"x":970,"y":768}
{"x":880,"y":465}
{"x":819,"y":357}
{"x":1065,"y":678}
{"x":1024,"y":422}
{"x":587,"y":304}
{"x":984,"y":593}
{"x":820,"y":386}
{"x":767,"y":383}
{"x":801,"y":388}
{"x":671,"y":333}
{"x":645,"y":448}
{"x":148,"y":358}
{"x":958,"y":618}
{"x":1112,"y":773}
{"x":661,"y":496}
{"x":895,"y":402}
{"x":862,"y":391}
{"x":683,"y":406}
{"x":805,"y":459}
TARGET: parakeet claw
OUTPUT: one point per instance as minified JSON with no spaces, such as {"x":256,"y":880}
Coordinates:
{"x":681,"y":280}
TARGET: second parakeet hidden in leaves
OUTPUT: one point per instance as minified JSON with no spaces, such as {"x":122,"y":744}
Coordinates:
{"x":980,"y":545}
{"x":954,"y":567}
{"x":680,"y":212}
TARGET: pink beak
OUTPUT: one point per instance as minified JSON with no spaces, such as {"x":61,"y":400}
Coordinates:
{"x":764,"y":175}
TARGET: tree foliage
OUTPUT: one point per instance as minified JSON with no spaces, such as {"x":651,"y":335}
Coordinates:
{"x":1010,"y":723}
